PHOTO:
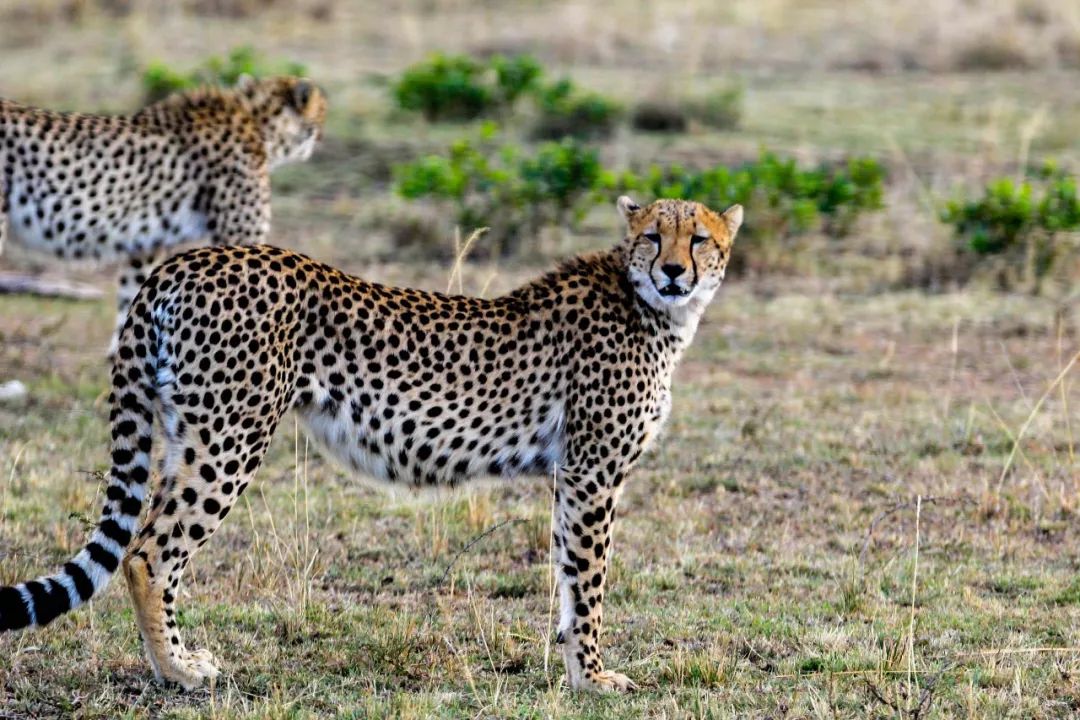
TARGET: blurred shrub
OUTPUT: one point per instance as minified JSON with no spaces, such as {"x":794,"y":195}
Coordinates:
{"x":445,"y":87}
{"x":235,"y":9}
{"x":719,"y":110}
{"x":659,"y":116}
{"x":993,"y":54}
{"x":1020,"y":227}
{"x":515,"y":77}
{"x":565,"y":110}
{"x":459,"y":87}
{"x":159,"y":80}
{"x":559,"y":179}
{"x":515,"y":193}
{"x":1068,"y":52}
{"x":505,"y":190}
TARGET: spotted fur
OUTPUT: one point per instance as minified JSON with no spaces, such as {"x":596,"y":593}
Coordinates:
{"x":194,"y":166}
{"x":571,"y":371}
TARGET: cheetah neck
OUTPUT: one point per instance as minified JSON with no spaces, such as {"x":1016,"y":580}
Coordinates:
{"x":681,"y":322}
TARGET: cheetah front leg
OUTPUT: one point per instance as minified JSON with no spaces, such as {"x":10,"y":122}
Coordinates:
{"x":132,"y":275}
{"x":585,"y":513}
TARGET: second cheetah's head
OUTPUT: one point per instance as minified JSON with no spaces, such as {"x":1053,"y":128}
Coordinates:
{"x":291,"y":112}
{"x":678,"y":249}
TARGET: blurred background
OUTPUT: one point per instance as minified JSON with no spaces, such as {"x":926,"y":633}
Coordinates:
{"x":866,"y":501}
{"x":877,"y":144}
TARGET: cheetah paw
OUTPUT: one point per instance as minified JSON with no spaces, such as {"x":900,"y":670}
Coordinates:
{"x":610,"y":681}
{"x":190,"y":669}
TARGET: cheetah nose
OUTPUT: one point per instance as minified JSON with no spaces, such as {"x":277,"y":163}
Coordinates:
{"x":672,"y":270}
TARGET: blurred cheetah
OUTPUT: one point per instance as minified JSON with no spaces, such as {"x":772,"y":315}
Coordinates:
{"x":193,"y":166}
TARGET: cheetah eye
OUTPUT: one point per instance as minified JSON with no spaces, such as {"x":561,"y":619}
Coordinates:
{"x":696,"y":240}
{"x":653,"y":238}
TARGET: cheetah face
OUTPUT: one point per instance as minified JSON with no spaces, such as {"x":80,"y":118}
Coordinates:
{"x":291,"y":111}
{"x":678,"y":249}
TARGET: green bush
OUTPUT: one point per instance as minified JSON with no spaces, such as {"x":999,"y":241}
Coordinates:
{"x":445,"y":87}
{"x":561,"y":177}
{"x":1018,"y":226}
{"x":458,"y":87}
{"x":782,"y":200}
{"x":513,"y":193}
{"x":500,"y":188}
{"x":516,"y":77}
{"x":159,"y":80}
{"x":567,"y":111}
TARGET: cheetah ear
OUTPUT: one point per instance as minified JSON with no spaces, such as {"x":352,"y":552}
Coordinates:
{"x":732,"y":218}
{"x":301,"y":94}
{"x":627,"y":207}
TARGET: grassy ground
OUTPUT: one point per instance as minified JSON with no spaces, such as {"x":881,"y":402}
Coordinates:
{"x":773,"y":555}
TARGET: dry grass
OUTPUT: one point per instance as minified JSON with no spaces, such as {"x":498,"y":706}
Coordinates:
{"x":771,"y":553}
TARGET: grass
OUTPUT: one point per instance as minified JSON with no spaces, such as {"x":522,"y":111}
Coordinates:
{"x":773,"y":557}
{"x":765,"y":555}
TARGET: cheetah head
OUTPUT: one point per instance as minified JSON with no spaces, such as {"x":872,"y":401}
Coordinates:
{"x":291,"y":112}
{"x":678,"y":250}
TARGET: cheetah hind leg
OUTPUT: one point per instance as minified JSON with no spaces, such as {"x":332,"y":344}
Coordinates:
{"x":190,"y":509}
{"x":155,"y":617}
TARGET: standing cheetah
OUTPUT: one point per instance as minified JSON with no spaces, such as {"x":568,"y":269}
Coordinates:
{"x":571,"y":371}
{"x":193,"y":166}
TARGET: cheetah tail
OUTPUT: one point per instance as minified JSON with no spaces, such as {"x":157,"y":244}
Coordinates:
{"x":38,"y":602}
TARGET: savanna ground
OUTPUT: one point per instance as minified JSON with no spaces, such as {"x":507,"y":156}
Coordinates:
{"x":866,"y":501}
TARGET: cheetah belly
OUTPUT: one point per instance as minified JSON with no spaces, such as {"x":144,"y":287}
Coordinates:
{"x":338,"y":437}
{"x":344,"y":435}
{"x":73,"y":234}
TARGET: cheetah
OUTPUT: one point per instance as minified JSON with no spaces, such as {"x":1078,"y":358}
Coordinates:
{"x":126,"y":188}
{"x":570,"y":373}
